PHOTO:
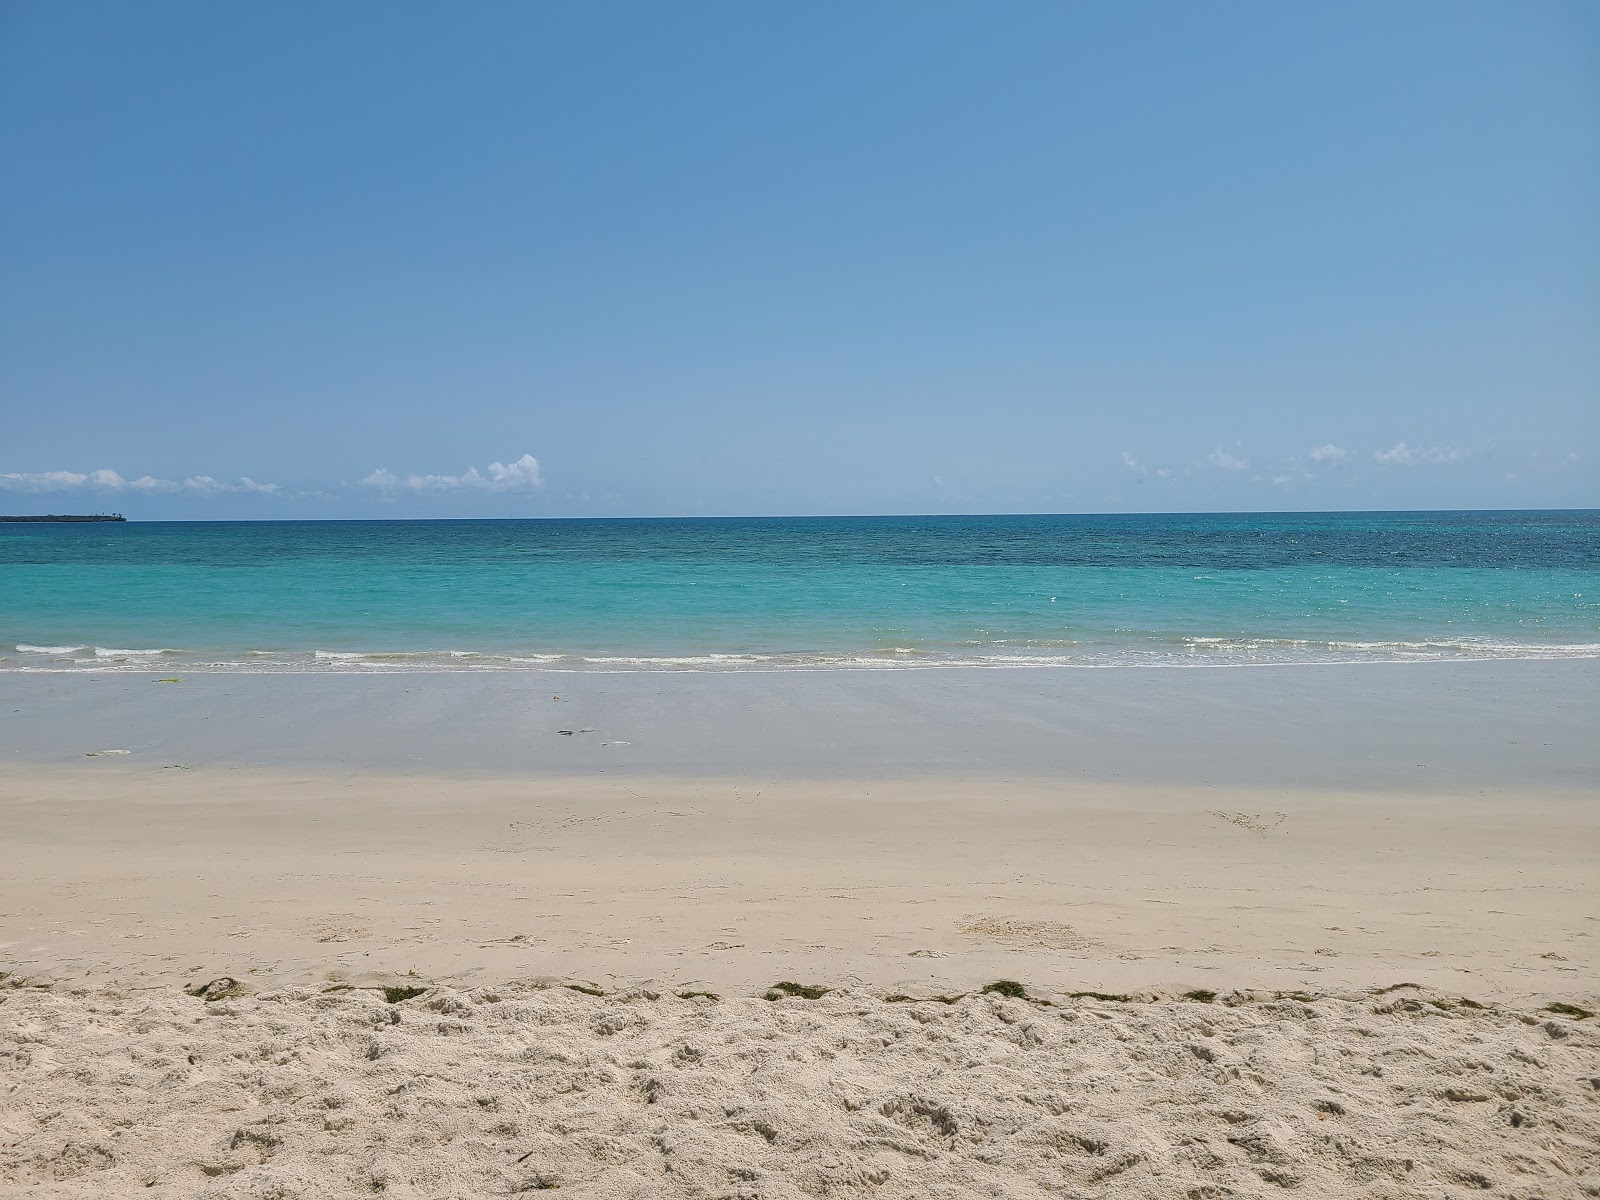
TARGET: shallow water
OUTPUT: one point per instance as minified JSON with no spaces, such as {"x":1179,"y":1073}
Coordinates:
{"x":775,"y":593}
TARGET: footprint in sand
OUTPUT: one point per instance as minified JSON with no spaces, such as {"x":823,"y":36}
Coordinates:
{"x":1254,"y":822}
{"x":338,"y":929}
{"x":1044,"y":935}
{"x":516,"y":939}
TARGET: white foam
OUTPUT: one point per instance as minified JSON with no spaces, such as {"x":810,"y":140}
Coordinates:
{"x":383,"y":656}
{"x":1486,"y":647}
{"x":1138,"y":648}
{"x":680,"y":660}
{"x":1440,"y":649}
{"x":1249,"y":641}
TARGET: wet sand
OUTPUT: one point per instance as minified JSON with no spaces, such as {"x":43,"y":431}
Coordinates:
{"x":1429,"y":726}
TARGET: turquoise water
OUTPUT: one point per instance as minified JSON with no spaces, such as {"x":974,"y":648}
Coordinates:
{"x":799,"y":592}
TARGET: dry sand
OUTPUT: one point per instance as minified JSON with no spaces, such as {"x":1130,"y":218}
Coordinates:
{"x":1398,"y":960}
{"x":510,"y":1090}
{"x":134,"y":874}
{"x":127,"y":884}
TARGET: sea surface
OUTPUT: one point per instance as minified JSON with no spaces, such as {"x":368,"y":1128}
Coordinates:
{"x":796,"y":593}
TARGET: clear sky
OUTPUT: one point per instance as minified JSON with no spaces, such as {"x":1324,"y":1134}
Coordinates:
{"x":519,"y":259}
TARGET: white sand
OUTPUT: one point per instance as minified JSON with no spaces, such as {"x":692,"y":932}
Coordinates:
{"x":510,"y":1090}
{"x":131,"y":874}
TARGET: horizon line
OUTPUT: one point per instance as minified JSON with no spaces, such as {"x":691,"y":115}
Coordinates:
{"x":1243,"y":512}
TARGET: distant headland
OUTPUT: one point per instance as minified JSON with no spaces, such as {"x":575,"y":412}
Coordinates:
{"x":70,"y":517}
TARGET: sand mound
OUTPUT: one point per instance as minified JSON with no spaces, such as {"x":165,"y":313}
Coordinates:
{"x":300,"y":1093}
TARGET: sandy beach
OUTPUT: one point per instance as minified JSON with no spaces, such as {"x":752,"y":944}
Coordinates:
{"x":776,"y":602}
{"x":1325,"y":929}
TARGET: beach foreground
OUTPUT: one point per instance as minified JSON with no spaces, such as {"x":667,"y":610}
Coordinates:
{"x":307,"y":1092}
{"x":1223,"y":992}
{"x":1242,"y":932}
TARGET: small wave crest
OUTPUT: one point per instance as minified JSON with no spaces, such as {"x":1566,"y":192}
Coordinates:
{"x":383,"y":655}
{"x":1126,"y":648}
{"x":1392,"y":649}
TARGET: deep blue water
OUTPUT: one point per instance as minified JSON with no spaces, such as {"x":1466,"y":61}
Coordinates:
{"x":753,"y":592}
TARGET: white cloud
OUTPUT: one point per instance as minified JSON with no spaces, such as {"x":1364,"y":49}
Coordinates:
{"x":1132,"y":463}
{"x":519,"y":476}
{"x":1227,"y":462}
{"x":207,"y":486}
{"x":1329,"y":453}
{"x":1403,"y":455}
{"x":42,"y":481}
{"x":107,"y":480}
{"x":112,"y":482}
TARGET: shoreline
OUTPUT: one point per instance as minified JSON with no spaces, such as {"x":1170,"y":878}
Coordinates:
{"x":322,"y":662}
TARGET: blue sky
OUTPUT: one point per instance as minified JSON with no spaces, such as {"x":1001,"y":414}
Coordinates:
{"x":522,"y":259}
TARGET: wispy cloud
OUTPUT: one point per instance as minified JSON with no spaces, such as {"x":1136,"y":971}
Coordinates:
{"x":1141,"y":470}
{"x":1402,"y":455}
{"x":208,"y":486}
{"x":1328,"y":453}
{"x":1227,"y":462}
{"x":106,"y":480}
{"x":519,"y":476}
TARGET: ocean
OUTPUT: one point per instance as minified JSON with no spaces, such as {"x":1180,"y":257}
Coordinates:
{"x":800,"y":592}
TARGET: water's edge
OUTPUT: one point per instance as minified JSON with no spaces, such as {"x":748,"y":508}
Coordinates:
{"x":1197,"y":652}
